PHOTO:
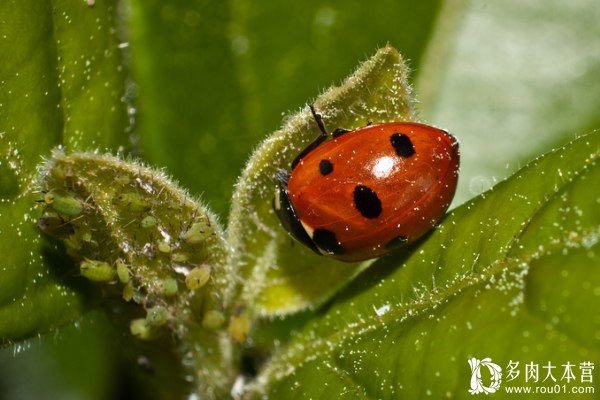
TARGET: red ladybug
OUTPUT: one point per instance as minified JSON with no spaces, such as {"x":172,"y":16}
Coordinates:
{"x":367,"y":191}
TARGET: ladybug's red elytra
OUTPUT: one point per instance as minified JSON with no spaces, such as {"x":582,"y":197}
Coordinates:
{"x":367,"y":191}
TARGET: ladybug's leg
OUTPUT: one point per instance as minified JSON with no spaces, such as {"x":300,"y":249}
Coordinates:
{"x":320,"y":139}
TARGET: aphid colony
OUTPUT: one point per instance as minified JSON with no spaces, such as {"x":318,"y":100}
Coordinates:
{"x":131,"y":233}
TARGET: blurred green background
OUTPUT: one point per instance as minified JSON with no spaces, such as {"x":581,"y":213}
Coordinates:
{"x":194,"y":86}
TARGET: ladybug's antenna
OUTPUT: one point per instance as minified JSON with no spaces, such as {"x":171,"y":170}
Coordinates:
{"x":319,"y":120}
{"x":320,"y":139}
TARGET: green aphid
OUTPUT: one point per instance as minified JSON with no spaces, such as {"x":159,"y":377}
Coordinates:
{"x":97,"y":271}
{"x":197,"y":233}
{"x":58,"y":172}
{"x":157,"y":316}
{"x":213,"y":320}
{"x":148,"y":222}
{"x":128,"y":292}
{"x":64,"y":203}
{"x":180,"y":257}
{"x":85,"y":233}
{"x":239,"y":326}
{"x":164,"y":247}
{"x":123,"y":179}
{"x":73,"y":242}
{"x":198,"y":277}
{"x":133,"y":201}
{"x":138,"y":296}
{"x":53,"y":225}
{"x":170,"y":287}
{"x":123,"y":272}
{"x":141,"y":329}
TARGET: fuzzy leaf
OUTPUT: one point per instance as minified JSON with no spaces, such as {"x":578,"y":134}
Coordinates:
{"x":279,"y":276}
{"x":131,"y":228}
{"x":521,"y":286}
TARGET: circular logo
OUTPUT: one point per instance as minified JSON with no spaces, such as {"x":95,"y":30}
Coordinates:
{"x":495,"y":371}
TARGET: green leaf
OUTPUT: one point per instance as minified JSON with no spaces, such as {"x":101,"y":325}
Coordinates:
{"x":521,"y":75}
{"x":278,"y":276}
{"x":61,"y":82}
{"x":521,"y":286}
{"x":77,"y":363}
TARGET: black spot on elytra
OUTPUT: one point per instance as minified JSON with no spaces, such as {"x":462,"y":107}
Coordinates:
{"x":402,"y":145}
{"x":325,"y":167}
{"x":327,"y":241}
{"x":396,"y":242}
{"x":367,"y":202}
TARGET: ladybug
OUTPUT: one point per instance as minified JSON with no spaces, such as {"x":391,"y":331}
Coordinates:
{"x":367,"y":191}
